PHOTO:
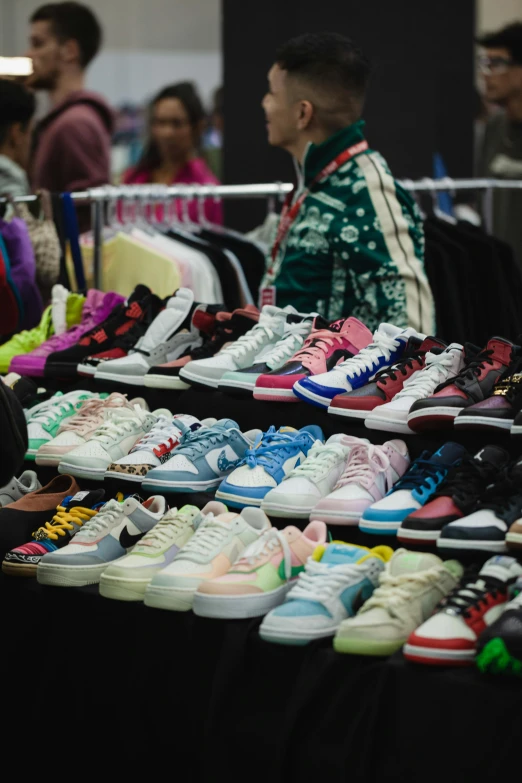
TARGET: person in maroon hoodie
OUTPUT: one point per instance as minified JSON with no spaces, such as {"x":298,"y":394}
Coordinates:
{"x":71,"y":147}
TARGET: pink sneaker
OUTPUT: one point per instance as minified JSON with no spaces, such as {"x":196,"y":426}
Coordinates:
{"x":327,"y":345}
{"x":98,"y":306}
{"x":369,"y":473}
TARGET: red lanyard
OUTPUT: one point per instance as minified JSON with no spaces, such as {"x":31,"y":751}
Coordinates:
{"x":290,"y":211}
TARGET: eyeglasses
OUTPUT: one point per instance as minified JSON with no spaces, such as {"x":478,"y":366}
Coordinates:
{"x":491,"y":65}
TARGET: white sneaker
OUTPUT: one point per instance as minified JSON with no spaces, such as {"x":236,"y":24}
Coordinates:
{"x":393,"y":415}
{"x":252,"y":346}
{"x":168,"y":337}
{"x":127,"y":579}
{"x":19,"y":487}
{"x":409,"y":590}
{"x":59,"y":296}
{"x":314,"y":479}
{"x":112,"y":440}
{"x":155,"y":448}
{"x":216,"y":545}
{"x":45,"y":422}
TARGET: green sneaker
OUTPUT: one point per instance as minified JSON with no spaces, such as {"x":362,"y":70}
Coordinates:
{"x":26,"y":341}
{"x":43,"y":426}
{"x":67,"y":308}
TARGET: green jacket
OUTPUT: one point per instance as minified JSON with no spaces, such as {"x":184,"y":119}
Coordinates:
{"x":356,"y":246}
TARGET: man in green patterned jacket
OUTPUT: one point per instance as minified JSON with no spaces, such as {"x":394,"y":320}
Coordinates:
{"x":350,"y":240}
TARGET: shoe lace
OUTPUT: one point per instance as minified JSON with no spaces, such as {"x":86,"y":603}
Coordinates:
{"x":364,"y":462}
{"x":105,"y":517}
{"x":462,"y":600}
{"x":54,"y":412}
{"x":382,"y":344}
{"x":316,"y":346}
{"x":270,"y":541}
{"x":290,"y":342}
{"x":465,"y":481}
{"x":393,"y":591}
{"x":163,"y":531}
{"x":501,"y":495}
{"x":402,"y":367}
{"x":209,"y":537}
{"x":470,"y":370}
{"x":420,"y":472}
{"x":272,"y":447}
{"x":438,"y":368}
{"x":319,"y":460}
{"x":163,"y":433}
{"x":254,"y":339}
{"x":113,"y":427}
{"x":321,"y":582}
{"x":194,"y":442}
{"x":63,"y":521}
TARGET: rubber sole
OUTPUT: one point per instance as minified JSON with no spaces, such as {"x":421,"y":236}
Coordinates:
{"x":69,"y":576}
{"x":85,"y":371}
{"x":311,"y":397}
{"x":287,"y":512}
{"x":376,"y":527}
{"x":110,"y":474}
{"x":126,"y":380}
{"x":335,"y":518}
{"x":438,"y":657}
{"x":19,"y":569}
{"x":238,"y":501}
{"x":164,"y":486}
{"x":495,"y":658}
{"x":239,"y":388}
{"x":407,"y":536}
{"x":165,"y":382}
{"x":172,"y":599}
{"x":514,"y":540}
{"x":198,"y":380}
{"x":483,"y":546}
{"x":52,"y":460}
{"x":432,"y":418}
{"x":239,"y":607}
{"x":293,"y":637}
{"x":389,"y":425}
{"x":123,"y":589}
{"x":342,"y":644}
{"x":276,"y":395}
{"x":96,"y":474}
{"x":482,"y":423}
{"x":349,"y":413}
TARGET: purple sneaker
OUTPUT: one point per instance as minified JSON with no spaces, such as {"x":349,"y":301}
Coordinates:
{"x":98,"y":306}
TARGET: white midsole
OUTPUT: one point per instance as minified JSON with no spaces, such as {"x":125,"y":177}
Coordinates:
{"x":191,"y":376}
{"x":239,"y":606}
{"x":349,"y":412}
{"x":483,"y":421}
{"x":80,"y":471}
{"x":261,"y":393}
{"x":438,"y":654}
{"x":165,"y":382}
{"x":461,"y":543}
{"x":132,"y":380}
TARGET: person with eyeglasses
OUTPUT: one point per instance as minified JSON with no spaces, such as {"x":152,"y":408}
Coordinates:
{"x":500,"y":66}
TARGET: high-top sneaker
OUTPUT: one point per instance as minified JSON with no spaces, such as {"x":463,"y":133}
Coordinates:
{"x":358,"y":405}
{"x":474,"y":383}
{"x":499,"y":647}
{"x":327,"y":345}
{"x":499,"y":410}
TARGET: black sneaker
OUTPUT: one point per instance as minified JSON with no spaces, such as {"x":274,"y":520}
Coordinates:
{"x":456,"y":497}
{"x":499,"y":647}
{"x":498,"y":411}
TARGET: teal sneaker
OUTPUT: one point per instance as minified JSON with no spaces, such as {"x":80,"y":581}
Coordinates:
{"x":43,"y":426}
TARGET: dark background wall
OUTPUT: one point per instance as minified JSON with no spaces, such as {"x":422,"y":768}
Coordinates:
{"x":420,"y":100}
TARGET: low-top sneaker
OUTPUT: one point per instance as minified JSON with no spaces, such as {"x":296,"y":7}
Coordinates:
{"x":498,"y":411}
{"x":217,"y":544}
{"x":270,"y":459}
{"x":116,"y":528}
{"x":262,"y":576}
{"x":19,"y":487}
{"x":412,"y":491}
{"x":127,"y":578}
{"x":45,"y":422}
{"x":335,"y":583}
{"x":370,"y":472}
{"x":387,"y":346}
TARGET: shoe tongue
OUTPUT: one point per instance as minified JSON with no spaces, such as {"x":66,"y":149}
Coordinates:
{"x":404,"y":562}
{"x":337,"y":554}
{"x":226,"y":424}
{"x":86,"y":499}
{"x":498,"y":567}
{"x":140,"y":292}
{"x":470,"y":351}
{"x":431,"y":344}
{"x":189,"y":422}
{"x":501,"y":349}
{"x":493,"y":455}
{"x":448,"y":454}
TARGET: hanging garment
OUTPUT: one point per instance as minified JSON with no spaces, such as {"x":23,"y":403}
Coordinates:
{"x":45,"y":242}
{"x":23,"y":270}
{"x":9,"y":298}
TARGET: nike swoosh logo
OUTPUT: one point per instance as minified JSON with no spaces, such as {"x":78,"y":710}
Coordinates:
{"x":127,"y":539}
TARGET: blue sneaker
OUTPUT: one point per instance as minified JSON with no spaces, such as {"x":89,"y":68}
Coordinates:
{"x":202,"y":459}
{"x":387,"y":347}
{"x":274,"y":454}
{"x":336,"y":582}
{"x":412,"y":491}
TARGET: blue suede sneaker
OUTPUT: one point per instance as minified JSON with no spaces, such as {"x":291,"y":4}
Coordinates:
{"x":274,"y":454}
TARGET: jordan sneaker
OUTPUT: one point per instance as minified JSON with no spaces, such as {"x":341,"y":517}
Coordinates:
{"x":369,"y":473}
{"x":266,"y":464}
{"x":45,"y":423}
{"x":450,"y":636}
{"x":327,"y":346}
{"x":499,"y":648}
{"x":387,"y":346}
{"x":498,"y":411}
{"x":412,"y":491}
{"x":18,"y":488}
{"x":259,"y":580}
{"x":335,"y":583}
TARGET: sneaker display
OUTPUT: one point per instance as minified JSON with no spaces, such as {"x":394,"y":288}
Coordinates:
{"x":439,"y":367}
{"x":327,"y":345}
{"x":112,"y":440}
{"x":261,"y":577}
{"x":215,"y":546}
{"x":106,"y":537}
{"x":496,"y":412}
{"x":45,"y":423}
{"x":252,"y":346}
{"x":297,"y":329}
{"x":387,"y":346}
{"x":336,"y":582}
{"x":202,"y":459}
{"x":55,"y":534}
{"x":77,"y":429}
{"x":270,"y":459}
{"x":411,"y":491}
{"x":155,"y":448}
{"x":18,"y":488}
{"x":358,"y":404}
{"x":306,"y":484}
{"x":449,"y":637}
{"x":127,"y":578}
{"x":370,"y":472}
{"x":474,"y":383}
{"x":410,"y":588}
{"x":456,"y":497}
{"x":170,"y":335}
{"x":499,"y":649}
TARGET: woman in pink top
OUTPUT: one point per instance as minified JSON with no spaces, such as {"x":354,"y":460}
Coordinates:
{"x":170,"y":157}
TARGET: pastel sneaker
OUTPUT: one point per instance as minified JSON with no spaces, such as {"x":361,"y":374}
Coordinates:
{"x":155,"y":448}
{"x":387,"y":346}
{"x":215,"y":546}
{"x":306,"y":484}
{"x":439,"y":367}
{"x":272,"y":456}
{"x":18,"y":488}
{"x":410,"y":588}
{"x":369,"y":473}
{"x":116,"y":528}
{"x":412,"y":491}
{"x":127,"y":578}
{"x":202,"y":459}
{"x":45,"y":423}
{"x":335,"y":583}
{"x":264,"y":574}
{"x":327,"y":345}
{"x":112,"y":440}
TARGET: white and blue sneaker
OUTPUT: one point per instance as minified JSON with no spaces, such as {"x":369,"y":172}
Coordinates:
{"x":274,"y":454}
{"x":412,"y":491}
{"x":387,"y":346}
{"x":203,"y":458}
{"x":336,"y":582}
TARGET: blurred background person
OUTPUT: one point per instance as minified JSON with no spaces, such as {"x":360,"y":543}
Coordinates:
{"x":17,"y":107}
{"x":213,"y":138}
{"x":172,"y":153}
